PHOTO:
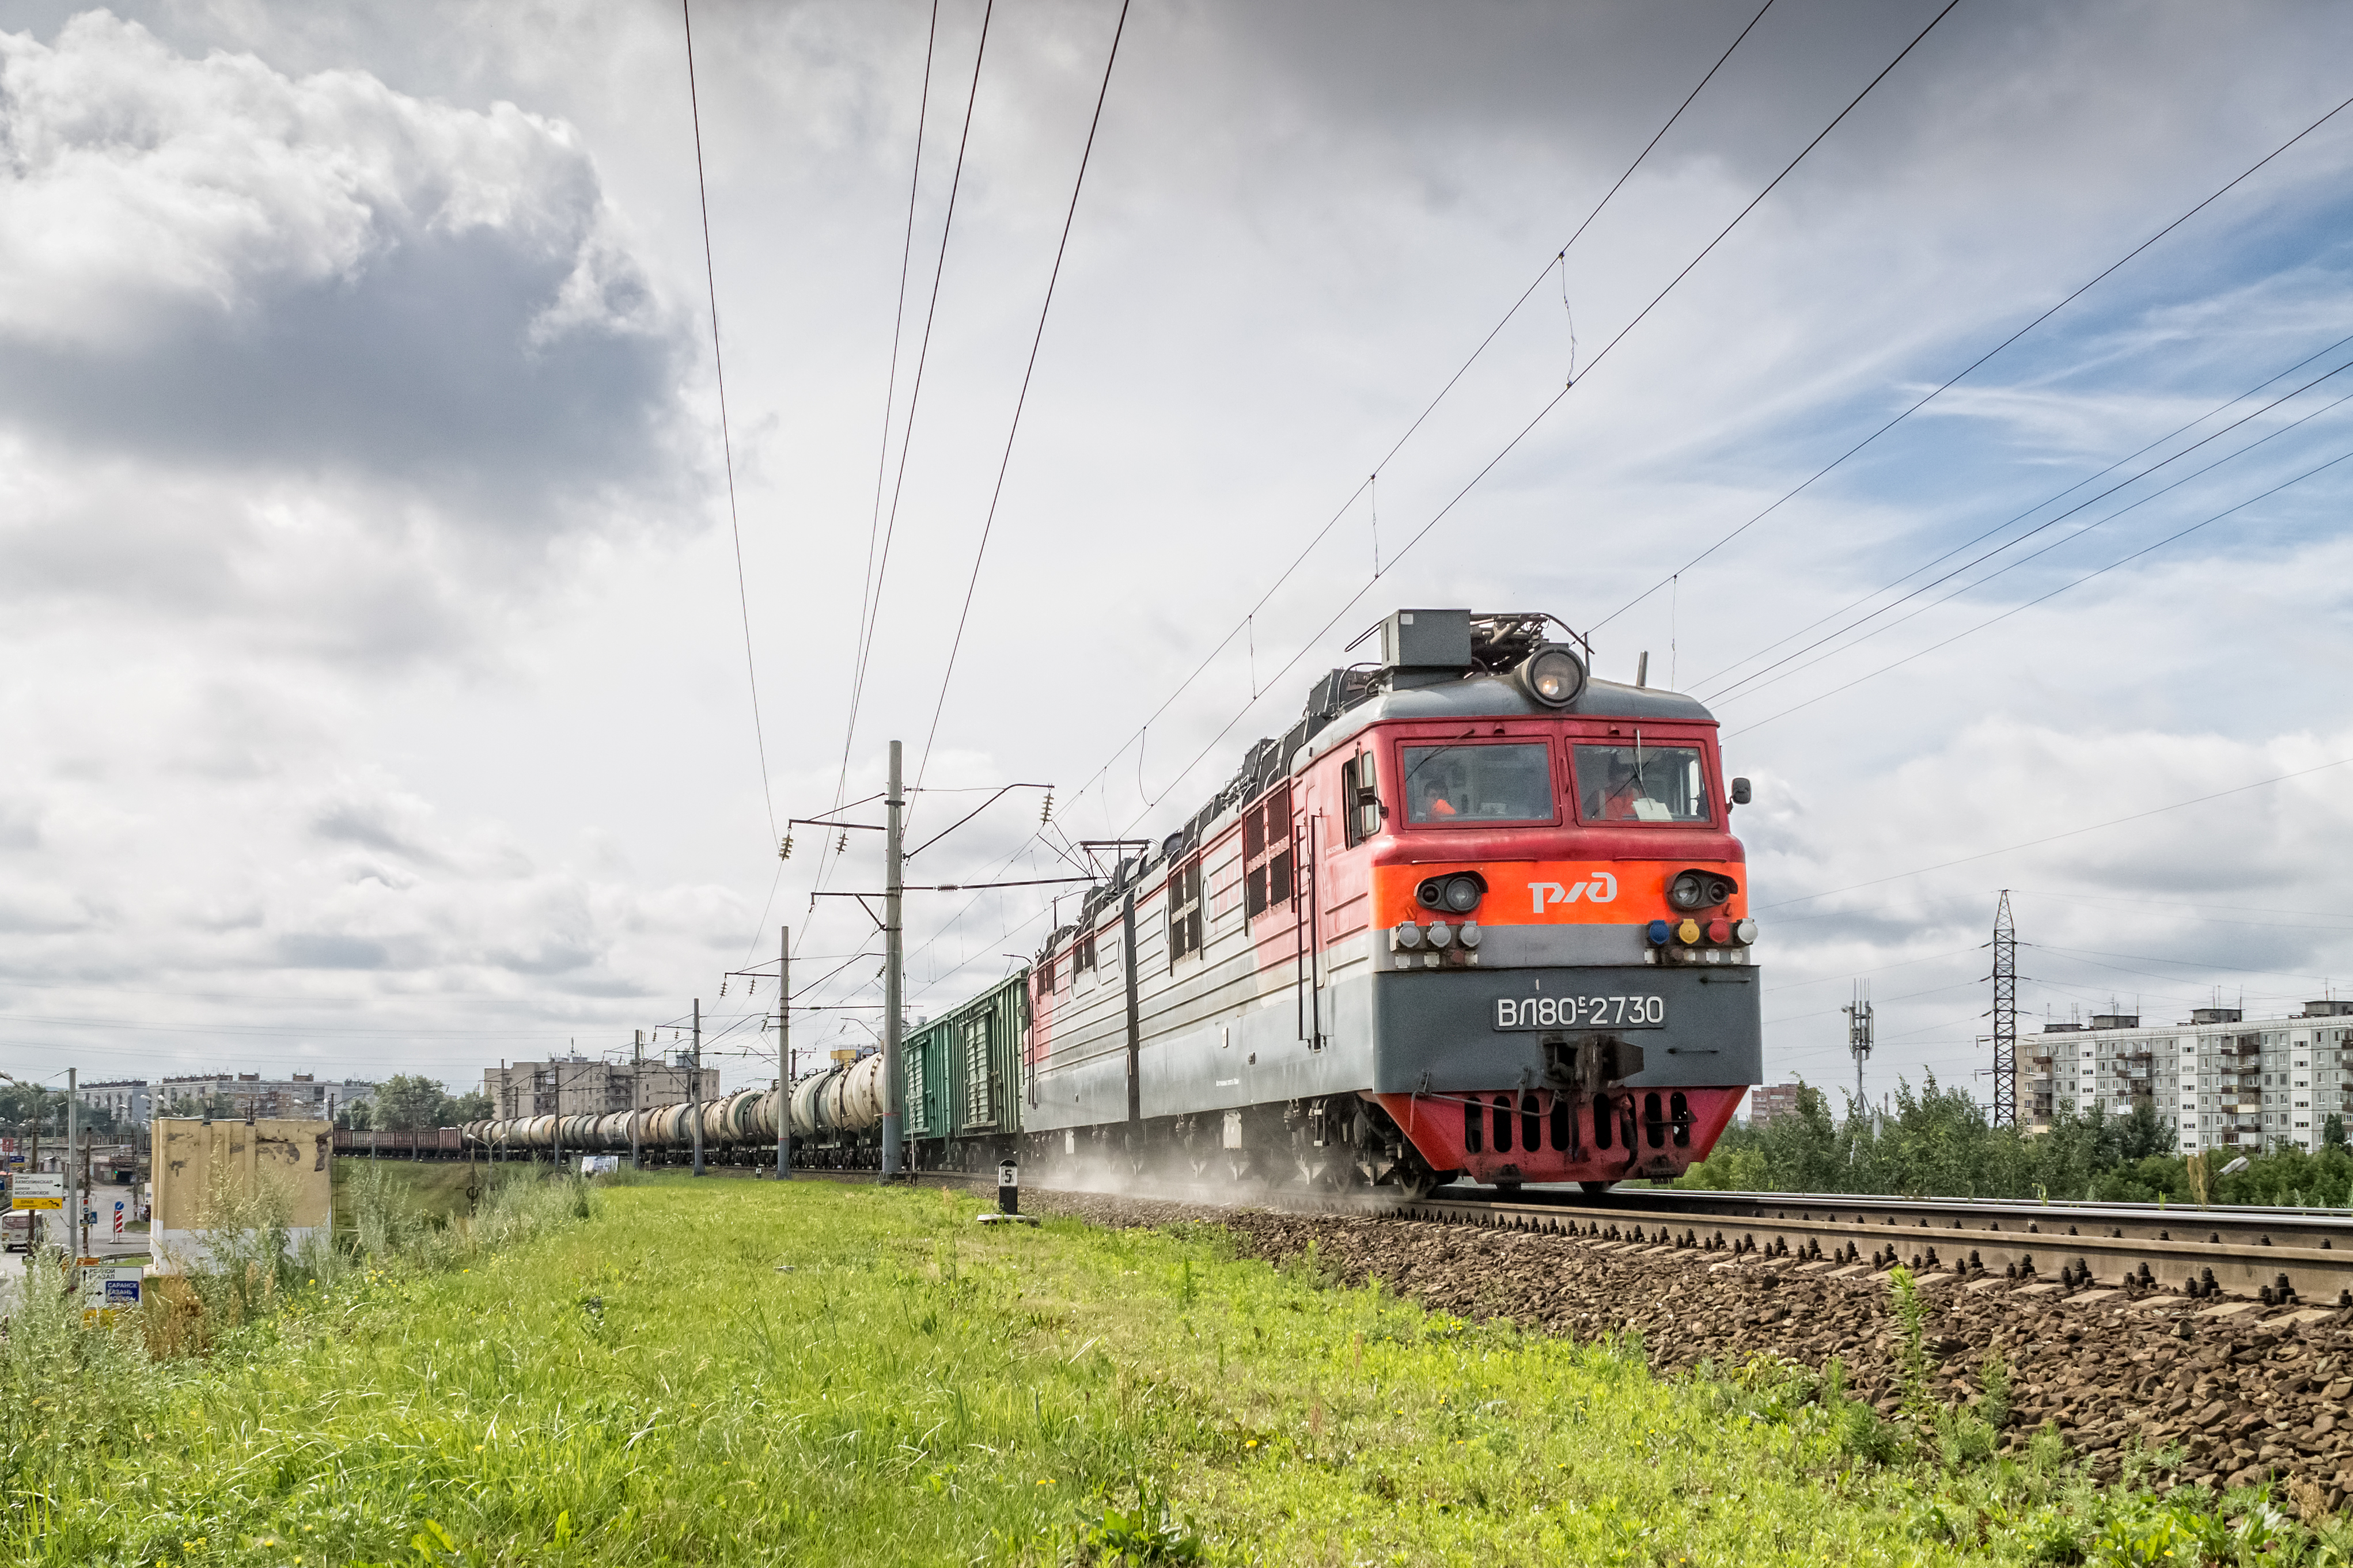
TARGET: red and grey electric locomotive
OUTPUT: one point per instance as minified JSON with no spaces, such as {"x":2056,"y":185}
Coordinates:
{"x":1476,"y":915}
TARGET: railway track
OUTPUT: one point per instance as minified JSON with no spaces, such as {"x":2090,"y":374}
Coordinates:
{"x":2235,"y":1258}
{"x":2242,"y":1259}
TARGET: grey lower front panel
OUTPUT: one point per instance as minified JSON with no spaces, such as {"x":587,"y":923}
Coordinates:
{"x":1437,"y":1029}
{"x":1424,"y":1029}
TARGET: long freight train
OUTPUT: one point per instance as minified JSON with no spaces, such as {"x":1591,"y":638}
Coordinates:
{"x":1475,"y":915}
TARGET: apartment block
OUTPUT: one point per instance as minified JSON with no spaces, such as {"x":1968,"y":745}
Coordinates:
{"x":302,"y":1097}
{"x":129,"y":1100}
{"x":579,"y":1087}
{"x":2223,"y":1080}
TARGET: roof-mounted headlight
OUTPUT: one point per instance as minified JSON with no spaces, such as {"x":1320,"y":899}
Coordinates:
{"x":1552,"y":675}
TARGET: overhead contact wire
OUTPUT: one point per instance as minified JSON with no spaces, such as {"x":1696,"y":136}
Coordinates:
{"x":2106,"y":272}
{"x":1509,"y":446}
{"x":1037,"y":338}
{"x":726,"y":443}
{"x":889,"y":407}
{"x":1432,"y":407}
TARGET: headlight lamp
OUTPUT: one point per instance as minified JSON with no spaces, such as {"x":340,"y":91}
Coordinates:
{"x":1457,"y":894}
{"x":1697,"y":890}
{"x":1552,"y":675}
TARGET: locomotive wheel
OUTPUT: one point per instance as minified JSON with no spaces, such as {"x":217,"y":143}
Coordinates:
{"x":1595,"y":1189}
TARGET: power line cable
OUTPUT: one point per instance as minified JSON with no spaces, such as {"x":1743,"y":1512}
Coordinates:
{"x":1732,"y":694}
{"x":2045,"y":598}
{"x":872,"y":618}
{"x":1973,"y":364}
{"x":988,"y":523}
{"x":726,"y":442}
{"x":1241,"y":625}
{"x":1700,"y":686}
{"x":889,"y":407}
{"x":1509,"y":445}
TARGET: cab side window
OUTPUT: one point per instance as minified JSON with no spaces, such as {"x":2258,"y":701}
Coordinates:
{"x":1359,"y":788}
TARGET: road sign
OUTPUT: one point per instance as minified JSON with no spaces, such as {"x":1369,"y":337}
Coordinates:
{"x":599,"y":1164}
{"x":120,"y":1206}
{"x":37,"y":1190}
{"x":109,"y":1288}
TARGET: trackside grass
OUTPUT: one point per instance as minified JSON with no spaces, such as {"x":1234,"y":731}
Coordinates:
{"x":828,"y":1373}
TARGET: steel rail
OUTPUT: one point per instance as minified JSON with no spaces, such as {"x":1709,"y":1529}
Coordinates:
{"x":2238,"y":1259}
{"x":2254,"y":1257}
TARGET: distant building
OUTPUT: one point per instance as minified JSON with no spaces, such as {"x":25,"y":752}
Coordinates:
{"x":577,"y":1086}
{"x":127,"y":1100}
{"x":305,"y":1097}
{"x":2221,"y":1081}
{"x":1772,"y":1101}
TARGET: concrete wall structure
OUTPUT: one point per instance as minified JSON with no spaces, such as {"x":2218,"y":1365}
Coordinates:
{"x":201,"y":1165}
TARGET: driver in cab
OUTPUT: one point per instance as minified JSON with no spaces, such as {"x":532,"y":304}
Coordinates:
{"x":1622,"y":797}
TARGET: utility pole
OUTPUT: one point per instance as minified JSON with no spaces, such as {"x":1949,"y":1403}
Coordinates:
{"x":74,"y":1236}
{"x":2004,"y":1016}
{"x":784,"y":1057}
{"x":894,"y":896}
{"x":636,"y":1099}
{"x":1858,"y":1037}
{"x":694,"y":1088}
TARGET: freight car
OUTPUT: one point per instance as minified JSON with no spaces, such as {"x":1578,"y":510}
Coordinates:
{"x":1476,"y":914}
{"x":430,"y":1144}
{"x":959,"y":1071}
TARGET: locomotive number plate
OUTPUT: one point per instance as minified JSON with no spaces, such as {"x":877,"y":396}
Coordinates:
{"x":1581,"y":1013}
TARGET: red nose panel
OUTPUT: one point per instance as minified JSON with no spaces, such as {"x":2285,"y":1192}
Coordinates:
{"x":1520,"y":1135}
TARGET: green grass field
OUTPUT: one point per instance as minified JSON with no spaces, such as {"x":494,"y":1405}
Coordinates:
{"x":834,"y":1374}
{"x":436,"y":1187}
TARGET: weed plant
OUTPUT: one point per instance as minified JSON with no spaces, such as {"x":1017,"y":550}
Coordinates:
{"x":721,"y":1373}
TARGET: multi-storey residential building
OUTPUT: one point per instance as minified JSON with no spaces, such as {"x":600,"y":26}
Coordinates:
{"x":2223,"y":1081}
{"x":575,"y":1086}
{"x":1767,"y":1102}
{"x":301,"y":1096}
{"x":128,"y":1101}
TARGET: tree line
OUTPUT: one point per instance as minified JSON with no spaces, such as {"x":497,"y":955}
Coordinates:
{"x":411,"y":1102}
{"x":1938,"y":1142}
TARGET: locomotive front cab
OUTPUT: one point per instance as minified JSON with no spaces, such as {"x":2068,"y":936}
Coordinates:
{"x":1555,"y":923}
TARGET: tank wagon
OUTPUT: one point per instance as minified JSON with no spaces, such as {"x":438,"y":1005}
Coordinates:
{"x":961,"y":1109}
{"x":1476,"y":914}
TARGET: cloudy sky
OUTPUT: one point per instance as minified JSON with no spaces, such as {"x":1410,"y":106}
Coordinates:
{"x":372,"y":672}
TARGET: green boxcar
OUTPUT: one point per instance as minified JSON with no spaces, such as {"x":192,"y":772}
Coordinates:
{"x":963,"y":1073}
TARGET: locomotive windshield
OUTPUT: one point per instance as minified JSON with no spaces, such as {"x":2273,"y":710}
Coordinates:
{"x":1641,"y":784}
{"x":1482,"y":783}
